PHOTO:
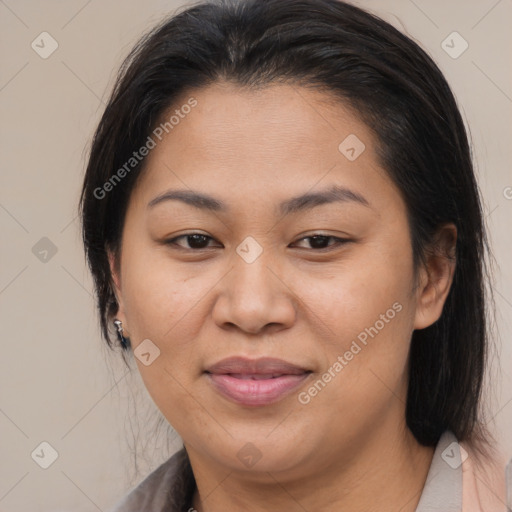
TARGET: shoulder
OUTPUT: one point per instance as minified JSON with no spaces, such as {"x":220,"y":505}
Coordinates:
{"x":462,"y":480}
{"x":154,"y":492}
{"x":483,"y":482}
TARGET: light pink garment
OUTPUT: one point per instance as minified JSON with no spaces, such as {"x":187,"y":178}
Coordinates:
{"x":483,"y":486}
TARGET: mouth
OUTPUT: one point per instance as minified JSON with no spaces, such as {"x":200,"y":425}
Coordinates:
{"x":255,"y":376}
{"x":255,"y":382}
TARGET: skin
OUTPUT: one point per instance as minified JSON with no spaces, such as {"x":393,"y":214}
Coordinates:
{"x":253,"y":150}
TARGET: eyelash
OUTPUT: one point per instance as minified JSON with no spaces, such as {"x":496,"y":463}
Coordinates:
{"x":338,"y":241}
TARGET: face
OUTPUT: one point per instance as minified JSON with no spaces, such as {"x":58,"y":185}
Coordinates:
{"x":300,"y":253}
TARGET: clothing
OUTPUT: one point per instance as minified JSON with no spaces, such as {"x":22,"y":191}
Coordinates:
{"x":450,"y":485}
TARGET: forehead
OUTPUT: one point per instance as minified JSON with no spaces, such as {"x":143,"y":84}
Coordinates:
{"x":291,"y":120}
{"x":247,"y":144}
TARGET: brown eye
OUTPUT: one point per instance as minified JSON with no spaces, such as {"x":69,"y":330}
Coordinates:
{"x":320,"y":242}
{"x":195,"y":241}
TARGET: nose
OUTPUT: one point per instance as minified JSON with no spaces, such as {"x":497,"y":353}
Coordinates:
{"x":255,"y":297}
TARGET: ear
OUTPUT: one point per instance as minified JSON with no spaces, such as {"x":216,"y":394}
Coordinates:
{"x":116,"y":278}
{"x":436,"y":278}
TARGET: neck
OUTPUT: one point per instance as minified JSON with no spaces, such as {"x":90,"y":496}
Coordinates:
{"x":386,"y":472}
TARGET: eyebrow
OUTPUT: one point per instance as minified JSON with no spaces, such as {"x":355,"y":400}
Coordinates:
{"x":303,"y":202}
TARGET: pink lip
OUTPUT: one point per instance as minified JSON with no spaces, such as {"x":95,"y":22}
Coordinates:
{"x":255,"y":382}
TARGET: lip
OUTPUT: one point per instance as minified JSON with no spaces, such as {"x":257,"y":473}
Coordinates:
{"x":255,"y":382}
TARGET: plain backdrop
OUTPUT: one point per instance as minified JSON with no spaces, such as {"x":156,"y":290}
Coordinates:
{"x":58,"y":383}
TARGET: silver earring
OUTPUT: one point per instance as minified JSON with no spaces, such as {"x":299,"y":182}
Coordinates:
{"x":125,"y":342}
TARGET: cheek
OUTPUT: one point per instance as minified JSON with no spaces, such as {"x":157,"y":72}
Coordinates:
{"x":158,"y":293}
{"x":163,"y":304}
{"x":366,"y":310}
{"x":353,"y":294}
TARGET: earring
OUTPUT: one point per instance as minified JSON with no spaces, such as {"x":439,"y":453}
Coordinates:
{"x":125,"y":342}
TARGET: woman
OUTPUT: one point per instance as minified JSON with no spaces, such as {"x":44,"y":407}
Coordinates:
{"x":283,"y":223}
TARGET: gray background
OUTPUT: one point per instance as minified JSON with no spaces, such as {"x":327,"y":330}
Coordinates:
{"x":58,"y":383}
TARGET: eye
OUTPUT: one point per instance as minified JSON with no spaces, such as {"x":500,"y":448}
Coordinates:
{"x":320,"y":242}
{"x":199,"y":241}
{"x":195,"y":241}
